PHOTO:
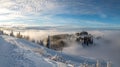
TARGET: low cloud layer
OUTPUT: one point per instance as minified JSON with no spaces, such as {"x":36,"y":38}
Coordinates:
{"x":102,"y":50}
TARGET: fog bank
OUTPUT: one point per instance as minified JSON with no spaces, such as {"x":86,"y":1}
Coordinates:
{"x":105,"y":51}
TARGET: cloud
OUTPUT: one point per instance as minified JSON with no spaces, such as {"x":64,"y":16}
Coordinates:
{"x":44,"y":11}
{"x":61,"y":7}
{"x":103,"y":51}
{"x":33,"y":6}
{"x":22,"y":10}
{"x":51,"y":7}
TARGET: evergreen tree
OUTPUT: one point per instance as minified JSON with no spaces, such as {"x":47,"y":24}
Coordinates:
{"x":27,"y":37}
{"x":1,"y":32}
{"x":77,"y":34}
{"x":48,"y":42}
{"x":41,"y":42}
{"x":19,"y":35}
{"x":11,"y":34}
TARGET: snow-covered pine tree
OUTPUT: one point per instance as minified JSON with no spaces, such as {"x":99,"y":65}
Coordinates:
{"x":109,"y":64}
{"x":98,"y":64}
{"x":19,"y":35}
{"x":11,"y":34}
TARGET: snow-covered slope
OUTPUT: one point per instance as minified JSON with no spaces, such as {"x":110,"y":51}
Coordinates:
{"x":19,"y":53}
{"x":16,"y":52}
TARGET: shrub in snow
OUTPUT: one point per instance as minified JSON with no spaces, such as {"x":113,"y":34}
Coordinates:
{"x":33,"y":41}
{"x":60,"y":64}
{"x":55,"y":58}
{"x":26,"y":37}
{"x":40,"y":51}
{"x":40,"y":42}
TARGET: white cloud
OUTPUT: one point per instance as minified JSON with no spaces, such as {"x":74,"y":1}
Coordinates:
{"x":15,"y":9}
{"x":33,"y":6}
{"x":46,"y":9}
{"x":10,"y":16}
{"x":51,"y":6}
{"x":6,"y":3}
{"x":4,"y":10}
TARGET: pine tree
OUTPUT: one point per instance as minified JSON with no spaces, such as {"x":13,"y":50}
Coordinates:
{"x":19,"y":35}
{"x":98,"y":64}
{"x":41,"y":42}
{"x":109,"y":64}
{"x":1,"y":32}
{"x":11,"y":34}
{"x":27,"y":37}
{"x":48,"y":42}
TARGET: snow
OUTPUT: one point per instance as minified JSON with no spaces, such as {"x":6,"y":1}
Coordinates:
{"x":16,"y":52}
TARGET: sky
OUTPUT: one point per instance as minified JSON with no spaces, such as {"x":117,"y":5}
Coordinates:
{"x":67,"y":13}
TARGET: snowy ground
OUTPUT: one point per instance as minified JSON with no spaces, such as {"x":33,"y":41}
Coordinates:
{"x":18,"y":53}
{"x":21,"y":53}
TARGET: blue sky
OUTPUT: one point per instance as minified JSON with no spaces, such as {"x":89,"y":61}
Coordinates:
{"x":73,"y":13}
